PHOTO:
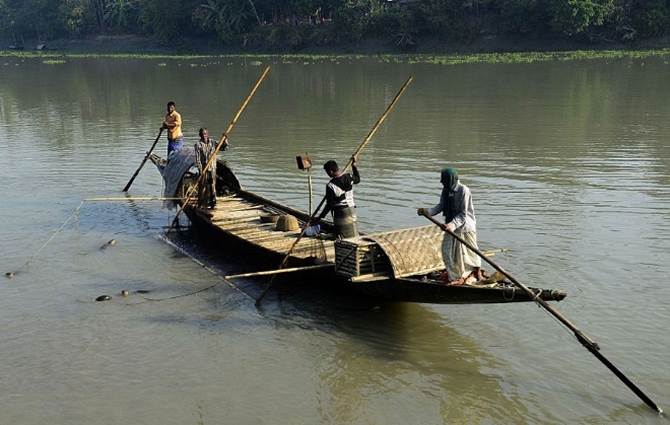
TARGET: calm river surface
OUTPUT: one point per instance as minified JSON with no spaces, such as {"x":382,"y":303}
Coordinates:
{"x":568,"y":163}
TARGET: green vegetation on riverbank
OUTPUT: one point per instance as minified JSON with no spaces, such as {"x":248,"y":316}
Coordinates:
{"x":56,"y":57}
{"x":281,"y":26}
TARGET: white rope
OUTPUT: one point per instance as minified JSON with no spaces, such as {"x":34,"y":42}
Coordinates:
{"x":505,"y":287}
{"x":75,"y":212}
{"x":48,"y":241}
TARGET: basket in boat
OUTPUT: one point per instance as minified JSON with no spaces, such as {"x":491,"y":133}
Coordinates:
{"x":269,"y":218}
{"x":287,"y":223}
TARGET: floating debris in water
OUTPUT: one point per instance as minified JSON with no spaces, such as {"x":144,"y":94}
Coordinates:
{"x":142,"y":291}
{"x":125,"y":293}
{"x":109,"y":243}
{"x":104,"y":298}
{"x":9,"y":275}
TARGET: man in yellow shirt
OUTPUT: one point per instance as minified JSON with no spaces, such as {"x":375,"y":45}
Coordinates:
{"x":173,"y":125}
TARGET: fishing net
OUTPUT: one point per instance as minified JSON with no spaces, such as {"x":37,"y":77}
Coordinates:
{"x":179,"y":162}
{"x":314,"y":248}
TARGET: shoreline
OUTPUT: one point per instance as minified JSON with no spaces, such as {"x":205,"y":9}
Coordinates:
{"x":493,"y":44}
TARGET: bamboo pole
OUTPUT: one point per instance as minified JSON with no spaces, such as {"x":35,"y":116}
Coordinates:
{"x":288,"y":270}
{"x":358,"y":151}
{"x":132,"y":198}
{"x":125,"y":189}
{"x":212,"y":158}
{"x":587,"y":342}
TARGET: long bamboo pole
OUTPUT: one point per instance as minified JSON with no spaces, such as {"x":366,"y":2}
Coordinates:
{"x":132,"y":179}
{"x":587,"y":342}
{"x":288,"y":270}
{"x":133,"y":198}
{"x":216,"y":151}
{"x":358,"y":151}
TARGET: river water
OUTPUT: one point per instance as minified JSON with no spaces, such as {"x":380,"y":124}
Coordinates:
{"x":568,"y":165}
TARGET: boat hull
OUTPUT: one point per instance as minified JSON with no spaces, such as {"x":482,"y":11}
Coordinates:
{"x":415,"y":290}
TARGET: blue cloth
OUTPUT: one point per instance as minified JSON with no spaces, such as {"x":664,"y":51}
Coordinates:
{"x":174,"y":145}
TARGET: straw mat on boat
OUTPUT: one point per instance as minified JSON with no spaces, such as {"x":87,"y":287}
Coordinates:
{"x":412,"y":251}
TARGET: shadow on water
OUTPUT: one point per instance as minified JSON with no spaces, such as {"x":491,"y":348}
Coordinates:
{"x":404,"y":353}
{"x":377,"y":347}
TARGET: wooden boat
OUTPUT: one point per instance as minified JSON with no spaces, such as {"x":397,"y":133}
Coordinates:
{"x":397,"y":266}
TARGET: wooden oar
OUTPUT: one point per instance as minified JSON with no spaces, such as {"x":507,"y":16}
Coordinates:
{"x":587,"y":342}
{"x":358,"y":151}
{"x":125,"y":189}
{"x":289,"y":270}
{"x":216,"y":151}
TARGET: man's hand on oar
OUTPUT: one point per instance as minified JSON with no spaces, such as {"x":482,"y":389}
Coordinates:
{"x":424,"y":212}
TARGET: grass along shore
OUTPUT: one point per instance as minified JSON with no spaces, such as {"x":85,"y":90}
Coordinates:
{"x":492,"y":49}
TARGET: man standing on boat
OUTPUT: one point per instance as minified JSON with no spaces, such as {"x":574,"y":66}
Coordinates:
{"x":340,"y":198}
{"x":172,"y":124}
{"x":459,"y":217}
{"x":204,"y":149}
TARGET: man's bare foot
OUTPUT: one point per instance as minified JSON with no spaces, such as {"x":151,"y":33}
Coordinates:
{"x":457,"y":282}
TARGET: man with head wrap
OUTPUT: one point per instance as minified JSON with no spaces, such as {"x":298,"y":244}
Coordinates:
{"x":459,"y":217}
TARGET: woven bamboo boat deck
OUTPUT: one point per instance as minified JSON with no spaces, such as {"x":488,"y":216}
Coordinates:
{"x":240,"y":217}
{"x":374,"y":256}
{"x":391,"y":254}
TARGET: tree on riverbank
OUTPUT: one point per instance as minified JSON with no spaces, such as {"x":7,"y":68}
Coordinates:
{"x":295,"y":24}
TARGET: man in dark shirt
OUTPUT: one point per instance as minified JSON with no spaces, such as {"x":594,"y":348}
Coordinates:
{"x":340,"y":199}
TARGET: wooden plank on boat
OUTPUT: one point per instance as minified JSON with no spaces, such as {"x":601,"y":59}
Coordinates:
{"x":265,"y":228}
{"x":274,"y":242}
{"x":242,"y":221}
{"x":230,"y":202}
{"x":236,"y":226}
{"x":234,"y":206}
{"x":244,"y":207}
{"x":229,"y":224}
{"x":229,"y":198}
{"x":234,"y":215}
{"x":371,"y":277}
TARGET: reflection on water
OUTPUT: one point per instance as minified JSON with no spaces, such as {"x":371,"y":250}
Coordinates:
{"x":567,"y":163}
{"x":405,"y":356}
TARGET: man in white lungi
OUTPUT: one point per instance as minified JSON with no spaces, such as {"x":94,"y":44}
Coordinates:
{"x":459,"y":216}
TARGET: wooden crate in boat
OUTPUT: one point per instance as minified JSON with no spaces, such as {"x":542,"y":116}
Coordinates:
{"x":358,"y":257}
